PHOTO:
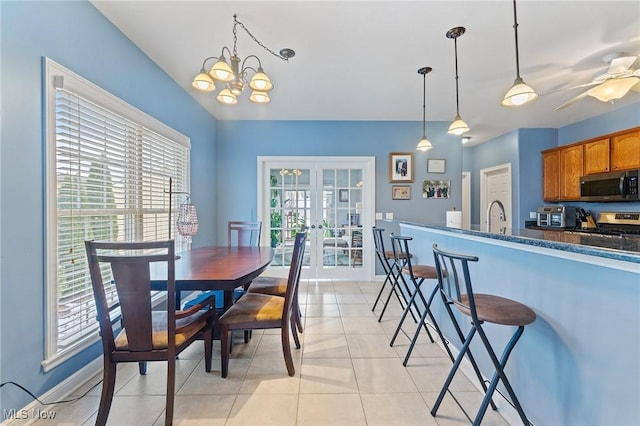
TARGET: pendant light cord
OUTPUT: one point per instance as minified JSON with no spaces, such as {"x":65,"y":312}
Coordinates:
{"x":455,"y":44}
{"x":424,"y":105}
{"x":515,"y":29}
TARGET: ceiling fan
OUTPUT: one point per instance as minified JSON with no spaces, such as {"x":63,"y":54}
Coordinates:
{"x":613,"y":84}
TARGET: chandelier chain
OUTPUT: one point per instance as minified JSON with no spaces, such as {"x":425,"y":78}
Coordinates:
{"x":258,"y":42}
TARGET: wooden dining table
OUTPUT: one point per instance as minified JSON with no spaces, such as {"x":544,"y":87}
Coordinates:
{"x":214,"y":268}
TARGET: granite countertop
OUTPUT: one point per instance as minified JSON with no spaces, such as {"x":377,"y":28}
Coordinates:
{"x":609,"y":247}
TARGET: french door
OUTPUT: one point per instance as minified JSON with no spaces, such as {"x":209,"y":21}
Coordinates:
{"x":331,"y":197}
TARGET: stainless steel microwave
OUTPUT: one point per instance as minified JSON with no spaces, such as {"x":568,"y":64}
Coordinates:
{"x":612,"y":186}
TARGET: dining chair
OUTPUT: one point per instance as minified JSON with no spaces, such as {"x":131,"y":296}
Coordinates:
{"x":244,"y":233}
{"x":131,"y":330}
{"x":255,"y":311}
{"x":454,"y":282}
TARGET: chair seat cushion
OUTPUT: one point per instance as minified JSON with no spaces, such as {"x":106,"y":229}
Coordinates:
{"x":498,"y":310}
{"x":188,"y":326}
{"x":269,"y":285}
{"x":422,"y":271}
{"x":254,"y":308}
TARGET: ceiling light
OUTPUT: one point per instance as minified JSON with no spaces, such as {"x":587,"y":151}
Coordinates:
{"x":612,"y":90}
{"x":458,"y":126}
{"x":424,"y":144}
{"x":465,"y":140}
{"x":520,"y":93}
{"x":235,"y":73}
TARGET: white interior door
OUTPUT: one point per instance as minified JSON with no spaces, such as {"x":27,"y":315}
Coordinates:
{"x":495,"y":184}
{"x":332,"y":197}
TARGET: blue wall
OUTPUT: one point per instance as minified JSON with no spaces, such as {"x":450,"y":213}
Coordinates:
{"x":78,"y":37}
{"x":241,"y":141}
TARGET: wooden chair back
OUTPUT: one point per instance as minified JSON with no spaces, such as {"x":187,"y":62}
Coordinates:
{"x":242,"y":233}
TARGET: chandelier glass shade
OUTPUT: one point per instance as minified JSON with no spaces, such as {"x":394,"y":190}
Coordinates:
{"x":520,"y":93}
{"x":187,"y":220}
{"x":424,"y":144}
{"x":458,"y":126}
{"x":234,"y":74}
{"x":612,"y":90}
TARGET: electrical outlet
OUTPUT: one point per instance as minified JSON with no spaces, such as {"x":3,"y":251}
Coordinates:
{"x":378,"y":216}
{"x":533,"y":215}
{"x":389,"y":216}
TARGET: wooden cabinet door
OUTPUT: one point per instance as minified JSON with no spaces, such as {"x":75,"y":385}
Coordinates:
{"x":551,"y":176}
{"x":596,"y":156}
{"x":570,"y":172}
{"x":625,"y":151}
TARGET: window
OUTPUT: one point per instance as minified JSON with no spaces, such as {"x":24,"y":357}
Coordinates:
{"x":108,"y":171}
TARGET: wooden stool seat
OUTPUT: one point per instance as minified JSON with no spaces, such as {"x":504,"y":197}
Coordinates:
{"x":426,"y":272}
{"x":498,"y":310}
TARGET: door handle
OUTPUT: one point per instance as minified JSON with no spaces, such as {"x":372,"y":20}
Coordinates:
{"x":313,"y":227}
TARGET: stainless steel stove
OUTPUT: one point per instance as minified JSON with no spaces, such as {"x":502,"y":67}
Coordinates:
{"x":615,"y":225}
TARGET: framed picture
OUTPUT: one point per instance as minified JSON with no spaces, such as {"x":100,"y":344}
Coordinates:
{"x":436,"y":165}
{"x":401,"y":192}
{"x":401,"y":167}
{"x":436,"y":189}
{"x":344,"y":195}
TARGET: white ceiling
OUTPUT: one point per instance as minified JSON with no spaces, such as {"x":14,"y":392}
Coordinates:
{"x":358,"y":60}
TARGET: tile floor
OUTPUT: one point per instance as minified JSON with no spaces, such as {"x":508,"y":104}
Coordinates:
{"x":346,"y":374}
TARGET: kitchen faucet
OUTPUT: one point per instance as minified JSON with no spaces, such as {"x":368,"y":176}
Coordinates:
{"x":503,"y":215}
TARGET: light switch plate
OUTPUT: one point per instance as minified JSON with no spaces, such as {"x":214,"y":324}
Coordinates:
{"x":378,"y":216}
{"x":389,"y":216}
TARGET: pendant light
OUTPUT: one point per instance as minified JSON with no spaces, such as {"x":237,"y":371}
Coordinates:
{"x":520,"y":93}
{"x":424,"y":144}
{"x":458,"y":126}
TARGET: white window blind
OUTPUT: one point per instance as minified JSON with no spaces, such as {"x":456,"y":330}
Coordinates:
{"x":109,"y":176}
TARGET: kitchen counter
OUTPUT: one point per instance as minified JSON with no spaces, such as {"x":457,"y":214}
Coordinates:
{"x":607,"y":247}
{"x":583,"y":349}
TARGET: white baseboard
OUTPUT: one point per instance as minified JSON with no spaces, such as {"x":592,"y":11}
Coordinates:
{"x":26,"y":415}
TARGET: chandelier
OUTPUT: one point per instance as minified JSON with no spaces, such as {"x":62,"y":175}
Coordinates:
{"x":234,"y":75}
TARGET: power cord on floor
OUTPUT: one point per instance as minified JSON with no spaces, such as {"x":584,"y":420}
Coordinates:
{"x":49,"y":403}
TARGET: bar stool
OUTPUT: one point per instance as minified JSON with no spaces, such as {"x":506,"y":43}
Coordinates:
{"x":390,"y":267}
{"x":454,"y":282}
{"x":417,"y":274}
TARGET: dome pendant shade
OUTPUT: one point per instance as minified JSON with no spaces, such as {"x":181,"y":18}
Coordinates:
{"x":203,"y":82}
{"x":226,"y":97}
{"x":221,"y":71}
{"x":519,"y":94}
{"x":458,"y":127}
{"x":261,"y":82}
{"x":424,"y":144}
{"x":259,"y":97}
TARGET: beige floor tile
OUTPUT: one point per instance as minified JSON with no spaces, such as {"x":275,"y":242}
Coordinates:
{"x":370,"y":287}
{"x":270,"y":347}
{"x":202,"y":383}
{"x":423,"y":347}
{"x":328,"y":376}
{"x":67,"y":414}
{"x":323,"y":326}
{"x":382,"y":375}
{"x":370,"y":346}
{"x":155,"y":381}
{"x":450,"y":414}
{"x":324,"y":311}
{"x":362,"y":325}
{"x":346,"y":287}
{"x":325,"y":346}
{"x":124,"y":373}
{"x":344,"y":298}
{"x":400,"y":409}
{"x":259,"y":410}
{"x":321,"y":298}
{"x":134,"y":411}
{"x":201,"y":410}
{"x":355,"y":310}
{"x":330,"y":409}
{"x":269,"y":376}
{"x":429,"y":374}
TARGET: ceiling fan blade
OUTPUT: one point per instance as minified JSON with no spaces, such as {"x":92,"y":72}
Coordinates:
{"x":620,"y":65}
{"x":613,"y":89}
{"x":591,"y":83}
{"x":573,"y":100}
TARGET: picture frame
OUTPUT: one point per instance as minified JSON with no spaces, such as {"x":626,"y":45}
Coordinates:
{"x":401,"y":167}
{"x":436,"y":165}
{"x":401,"y":192}
{"x":343,"y":195}
{"x":436,"y":189}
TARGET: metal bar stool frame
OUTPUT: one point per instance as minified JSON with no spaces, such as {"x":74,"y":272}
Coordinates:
{"x":449,"y":283}
{"x":400,"y":246}
{"x":391,"y":274}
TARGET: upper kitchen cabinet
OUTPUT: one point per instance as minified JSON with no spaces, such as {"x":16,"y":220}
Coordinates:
{"x":551,"y":175}
{"x":625,"y":150}
{"x":596,"y":156}
{"x":570,"y":171}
